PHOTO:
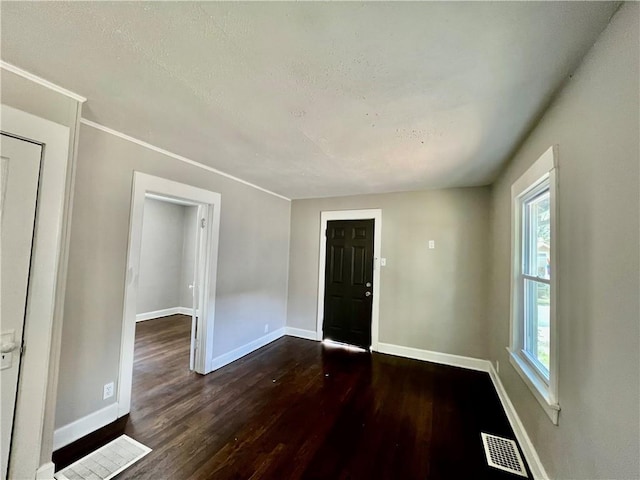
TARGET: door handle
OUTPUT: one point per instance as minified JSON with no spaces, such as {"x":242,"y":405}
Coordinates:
{"x":367,"y":294}
{"x":8,"y":347}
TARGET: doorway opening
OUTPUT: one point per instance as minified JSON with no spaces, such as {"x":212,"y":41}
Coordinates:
{"x":170,"y":280}
{"x":349,"y":277}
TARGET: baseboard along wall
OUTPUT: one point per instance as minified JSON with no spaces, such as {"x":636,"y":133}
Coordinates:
{"x":301,"y":333}
{"x":537,"y":469}
{"x":70,"y":433}
{"x":73,"y":431}
{"x":235,"y":354}
{"x":141,"y":317}
{"x":435,"y":357}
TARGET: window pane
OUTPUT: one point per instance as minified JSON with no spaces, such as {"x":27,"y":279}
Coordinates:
{"x":537,"y":236}
{"x":536,"y":322}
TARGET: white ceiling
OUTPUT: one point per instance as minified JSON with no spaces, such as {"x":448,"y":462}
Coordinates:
{"x":314,"y":99}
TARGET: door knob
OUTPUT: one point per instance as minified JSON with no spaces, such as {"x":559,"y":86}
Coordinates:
{"x":368,"y":284}
{"x":9,"y":347}
{"x":367,"y":294}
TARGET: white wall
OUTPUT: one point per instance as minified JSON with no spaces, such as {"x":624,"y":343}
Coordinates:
{"x":167,"y":256}
{"x":161,"y":256}
{"x":429,"y":299}
{"x":595,"y":122}
{"x":252,"y":264}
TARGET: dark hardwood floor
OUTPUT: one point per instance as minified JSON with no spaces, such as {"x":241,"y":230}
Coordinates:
{"x":298,"y":409}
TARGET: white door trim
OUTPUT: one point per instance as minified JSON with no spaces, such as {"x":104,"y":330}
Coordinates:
{"x":27,"y":440}
{"x":144,"y":184}
{"x":376,"y":215}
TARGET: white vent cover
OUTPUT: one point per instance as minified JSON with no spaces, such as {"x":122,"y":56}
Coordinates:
{"x":106,"y":462}
{"x":503,"y":453}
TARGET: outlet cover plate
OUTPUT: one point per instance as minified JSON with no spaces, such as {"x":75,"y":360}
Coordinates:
{"x":108,"y":391}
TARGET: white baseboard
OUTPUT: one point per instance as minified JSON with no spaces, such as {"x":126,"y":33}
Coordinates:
{"x":141,"y":317}
{"x":537,"y":469}
{"x":46,"y":471}
{"x":70,"y":433}
{"x":83,"y":426}
{"x":240,"y":352}
{"x":301,"y":333}
{"x":435,"y":357}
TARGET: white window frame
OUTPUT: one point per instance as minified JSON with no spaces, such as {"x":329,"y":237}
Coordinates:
{"x":543,"y":171}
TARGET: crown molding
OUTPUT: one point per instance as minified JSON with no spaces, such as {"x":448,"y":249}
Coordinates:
{"x":41,"y":81}
{"x":162,"y":151}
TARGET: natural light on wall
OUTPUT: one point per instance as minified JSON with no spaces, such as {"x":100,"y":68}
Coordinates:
{"x":533,"y":347}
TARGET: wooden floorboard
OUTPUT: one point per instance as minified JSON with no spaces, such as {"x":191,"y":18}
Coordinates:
{"x":296,"y":409}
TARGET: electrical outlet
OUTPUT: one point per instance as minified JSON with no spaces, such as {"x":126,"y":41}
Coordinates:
{"x":432,"y":244}
{"x":383,"y":262}
{"x":108,"y":391}
{"x":266,"y":328}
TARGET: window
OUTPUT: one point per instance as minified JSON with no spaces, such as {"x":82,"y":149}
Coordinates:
{"x":536,"y":277}
{"x":532,"y":349}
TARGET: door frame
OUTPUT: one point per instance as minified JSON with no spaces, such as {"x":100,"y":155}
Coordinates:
{"x":44,"y":288}
{"x":374,"y":214}
{"x":200,"y":258}
{"x":143,"y":185}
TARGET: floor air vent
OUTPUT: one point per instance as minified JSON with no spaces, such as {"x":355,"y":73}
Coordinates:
{"x":503,"y":453}
{"x":106,"y":462}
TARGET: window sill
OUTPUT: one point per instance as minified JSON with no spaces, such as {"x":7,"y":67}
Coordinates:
{"x":539,"y":389}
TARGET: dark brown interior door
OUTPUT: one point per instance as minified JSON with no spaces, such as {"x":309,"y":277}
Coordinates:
{"x":348,"y":282}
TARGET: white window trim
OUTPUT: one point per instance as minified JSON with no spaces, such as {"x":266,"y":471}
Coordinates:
{"x":545,"y":393}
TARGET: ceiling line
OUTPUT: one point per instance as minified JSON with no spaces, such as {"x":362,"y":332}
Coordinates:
{"x":194,"y":163}
{"x":41,"y":81}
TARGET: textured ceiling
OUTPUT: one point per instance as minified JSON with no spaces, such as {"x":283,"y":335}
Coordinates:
{"x":313,"y":99}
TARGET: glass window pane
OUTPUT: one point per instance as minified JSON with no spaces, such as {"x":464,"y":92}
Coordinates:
{"x":536,"y":322}
{"x":537,"y":236}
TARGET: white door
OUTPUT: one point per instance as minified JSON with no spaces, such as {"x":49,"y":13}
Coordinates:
{"x":198,"y":278}
{"x":19,"y":188}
